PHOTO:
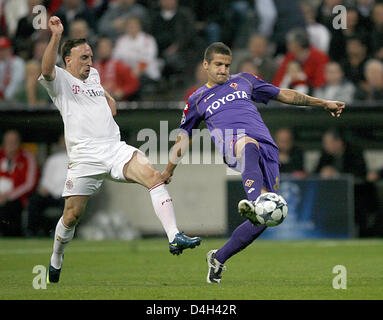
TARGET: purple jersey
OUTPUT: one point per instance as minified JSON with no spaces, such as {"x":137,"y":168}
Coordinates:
{"x":229,"y":111}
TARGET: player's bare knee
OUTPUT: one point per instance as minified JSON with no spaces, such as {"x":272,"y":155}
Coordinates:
{"x":153,"y":177}
{"x":241,"y":144}
{"x":72,"y":215}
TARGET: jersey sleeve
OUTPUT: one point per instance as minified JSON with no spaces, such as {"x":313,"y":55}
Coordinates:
{"x":262,"y":90}
{"x":190,"y":118}
{"x":95,"y":73}
{"x":53,"y":87}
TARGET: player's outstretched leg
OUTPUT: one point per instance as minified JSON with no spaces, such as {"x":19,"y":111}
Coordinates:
{"x":140,"y":170}
{"x":163,"y":207}
{"x":252,"y":180}
{"x":74,"y":207}
{"x":63,"y":235}
{"x":241,"y":237}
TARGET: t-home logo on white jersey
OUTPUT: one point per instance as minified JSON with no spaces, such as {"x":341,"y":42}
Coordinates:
{"x":76,"y":89}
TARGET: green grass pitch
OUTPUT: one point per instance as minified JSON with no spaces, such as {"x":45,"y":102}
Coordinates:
{"x":145,"y":270}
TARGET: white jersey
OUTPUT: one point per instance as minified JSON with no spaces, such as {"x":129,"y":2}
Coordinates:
{"x":88,"y":121}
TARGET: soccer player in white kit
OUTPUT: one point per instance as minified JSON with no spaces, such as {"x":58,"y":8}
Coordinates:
{"x":93,"y":144}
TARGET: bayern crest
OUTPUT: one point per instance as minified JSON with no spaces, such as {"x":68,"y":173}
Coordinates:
{"x":69,"y":184}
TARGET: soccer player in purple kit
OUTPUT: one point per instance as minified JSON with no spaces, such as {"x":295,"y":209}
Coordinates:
{"x":226,"y":104}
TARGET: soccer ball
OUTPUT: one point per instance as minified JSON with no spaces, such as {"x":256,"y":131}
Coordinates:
{"x":270,"y":209}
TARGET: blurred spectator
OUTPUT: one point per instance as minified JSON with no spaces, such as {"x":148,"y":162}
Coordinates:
{"x":353,"y":63}
{"x":79,"y":29}
{"x":290,"y":156}
{"x":38,"y":49}
{"x":355,"y":27}
{"x":18,"y":178}
{"x":116,"y":77}
{"x":138,"y":50}
{"x":258,"y":51}
{"x":211,"y":19}
{"x":229,"y":21}
{"x":112,"y":22}
{"x":324,"y":13}
{"x":71,"y":10}
{"x":338,"y":157}
{"x":292,"y":19}
{"x":311,"y":59}
{"x":10,"y":13}
{"x":376,"y":42}
{"x":32,"y":93}
{"x":372,"y":88}
{"x":173,"y":27}
{"x":240,"y":22}
{"x":295,"y":78}
{"x":48,"y":193}
{"x":12,"y":70}
{"x":200,"y":76}
{"x":365,"y":7}
{"x":25,"y":32}
{"x":248,"y":65}
{"x":53,"y":5}
{"x":319,"y":34}
{"x":267,"y":17}
{"x":336,"y":87}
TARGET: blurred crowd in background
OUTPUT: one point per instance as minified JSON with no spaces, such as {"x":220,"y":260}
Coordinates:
{"x":152,"y":49}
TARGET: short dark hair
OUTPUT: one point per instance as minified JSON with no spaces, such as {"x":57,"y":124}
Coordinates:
{"x":68,"y":45}
{"x":216,"y":47}
{"x":299,"y":36}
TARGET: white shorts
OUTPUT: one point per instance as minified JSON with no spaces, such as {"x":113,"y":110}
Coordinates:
{"x":86,"y":178}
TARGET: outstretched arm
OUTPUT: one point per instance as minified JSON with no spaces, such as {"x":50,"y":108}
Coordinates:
{"x":50,"y":55}
{"x":297,"y":98}
{"x":180,"y":147}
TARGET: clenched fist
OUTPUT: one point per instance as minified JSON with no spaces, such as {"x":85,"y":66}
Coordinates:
{"x":55,"y":25}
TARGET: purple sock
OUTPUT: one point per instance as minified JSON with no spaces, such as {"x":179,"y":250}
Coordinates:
{"x":252,"y":177}
{"x":241,"y":237}
{"x":252,"y":180}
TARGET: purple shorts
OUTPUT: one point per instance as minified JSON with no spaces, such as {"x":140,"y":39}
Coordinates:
{"x":268,"y":161}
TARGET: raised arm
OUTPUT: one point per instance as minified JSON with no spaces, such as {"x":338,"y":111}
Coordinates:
{"x":297,"y":98}
{"x":50,"y":55}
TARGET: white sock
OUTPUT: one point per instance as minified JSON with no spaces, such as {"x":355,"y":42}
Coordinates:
{"x":63,"y":235}
{"x":163,"y":207}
